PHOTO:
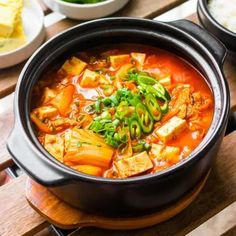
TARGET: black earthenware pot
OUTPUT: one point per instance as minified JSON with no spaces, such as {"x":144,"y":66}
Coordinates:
{"x":208,"y":21}
{"x":137,"y":195}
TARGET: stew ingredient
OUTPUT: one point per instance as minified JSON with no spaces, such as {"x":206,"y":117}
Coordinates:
{"x":121,"y":113}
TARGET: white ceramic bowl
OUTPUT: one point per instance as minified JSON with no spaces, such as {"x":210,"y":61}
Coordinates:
{"x":33,"y":22}
{"x":85,"y":11}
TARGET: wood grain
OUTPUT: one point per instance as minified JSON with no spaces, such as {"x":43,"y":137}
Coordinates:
{"x":45,"y":9}
{"x":17,"y":217}
{"x":148,"y":8}
{"x":45,"y":203}
{"x":230,"y":74}
{"x":230,"y":232}
{"x":219,"y":192}
{"x":6,"y":124}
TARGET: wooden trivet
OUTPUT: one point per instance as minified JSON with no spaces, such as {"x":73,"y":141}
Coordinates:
{"x":65,"y":216}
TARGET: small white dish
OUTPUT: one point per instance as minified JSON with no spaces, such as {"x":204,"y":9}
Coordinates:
{"x":33,"y":23}
{"x":85,"y":11}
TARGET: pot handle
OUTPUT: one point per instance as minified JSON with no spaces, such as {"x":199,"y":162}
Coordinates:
{"x":29,"y":160}
{"x":213,"y":44}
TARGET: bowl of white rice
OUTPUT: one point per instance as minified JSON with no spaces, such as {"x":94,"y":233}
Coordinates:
{"x":219,"y":18}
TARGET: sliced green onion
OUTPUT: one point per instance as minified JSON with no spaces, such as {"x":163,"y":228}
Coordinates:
{"x":122,"y":110}
{"x":144,"y":118}
{"x":164,"y":107}
{"x":160,"y":88}
{"x":97,"y":106}
{"x":105,"y":115}
{"x":134,"y":128}
{"x":153,"y":107}
{"x":141,"y":146}
{"x":145,"y":79}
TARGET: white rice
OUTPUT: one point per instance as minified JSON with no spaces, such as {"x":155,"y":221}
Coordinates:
{"x":224,"y":11}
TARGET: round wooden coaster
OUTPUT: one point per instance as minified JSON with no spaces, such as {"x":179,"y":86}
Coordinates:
{"x":65,"y":216}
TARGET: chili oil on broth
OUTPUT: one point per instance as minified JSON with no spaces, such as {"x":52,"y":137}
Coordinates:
{"x":65,"y":113}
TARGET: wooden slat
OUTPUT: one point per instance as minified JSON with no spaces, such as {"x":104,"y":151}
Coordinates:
{"x":59,"y":27}
{"x":6,"y":124}
{"x":230,"y":232}
{"x":148,"y":8}
{"x":221,"y":223}
{"x":5,"y":161}
{"x":17,"y":217}
{"x":45,"y":9}
{"x":219,"y":192}
{"x":230,"y":74}
{"x":136,"y":8}
{"x":8,"y":79}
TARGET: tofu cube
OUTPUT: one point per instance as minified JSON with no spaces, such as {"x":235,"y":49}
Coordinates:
{"x":46,"y":112}
{"x":54,"y":144}
{"x":167,"y":153}
{"x":172,"y":128}
{"x":156,"y":151}
{"x":74,"y":66}
{"x":139,"y":58}
{"x":90,"y":79}
{"x":48,"y":95}
{"x":118,"y":60}
{"x":171,"y":154}
{"x":134,"y":165}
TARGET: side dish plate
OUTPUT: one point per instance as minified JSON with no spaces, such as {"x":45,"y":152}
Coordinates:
{"x":86,"y":11}
{"x":33,"y":24}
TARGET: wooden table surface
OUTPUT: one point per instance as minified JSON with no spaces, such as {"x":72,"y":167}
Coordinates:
{"x":18,"y":218}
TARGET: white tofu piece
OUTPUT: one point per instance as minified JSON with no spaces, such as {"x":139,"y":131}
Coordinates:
{"x":167,"y":153}
{"x":134,"y":165}
{"x":90,"y":79}
{"x":54,"y":144}
{"x":171,"y":129}
{"x":46,"y":112}
{"x":156,"y":151}
{"x":171,"y":154}
{"x":48,"y":95}
{"x":74,"y":66}
{"x":118,"y":60}
{"x":139,"y":58}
